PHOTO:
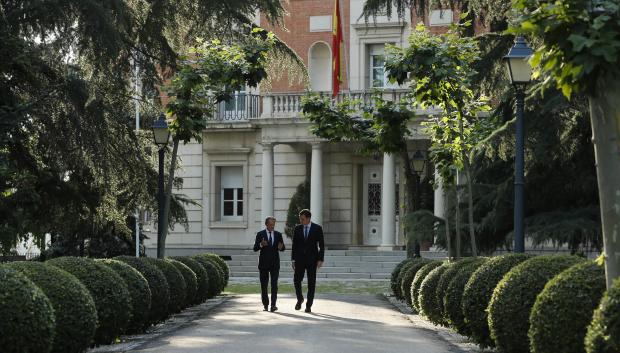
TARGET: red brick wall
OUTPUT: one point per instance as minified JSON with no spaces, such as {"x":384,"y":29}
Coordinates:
{"x":299,"y":37}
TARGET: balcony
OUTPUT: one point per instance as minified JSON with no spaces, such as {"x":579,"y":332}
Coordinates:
{"x":245,"y":107}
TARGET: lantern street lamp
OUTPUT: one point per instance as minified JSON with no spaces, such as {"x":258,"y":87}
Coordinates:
{"x":418,"y":162}
{"x":161,"y":135}
{"x":520,"y":73}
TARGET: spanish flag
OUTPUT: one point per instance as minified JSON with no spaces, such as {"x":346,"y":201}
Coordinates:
{"x":336,"y":48}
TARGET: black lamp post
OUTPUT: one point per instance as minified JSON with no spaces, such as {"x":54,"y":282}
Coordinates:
{"x":520,"y":73}
{"x":161,"y":134}
{"x":418,"y":161}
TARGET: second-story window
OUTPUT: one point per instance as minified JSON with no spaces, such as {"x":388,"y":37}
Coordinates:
{"x":378,"y":75}
{"x":236,"y":104}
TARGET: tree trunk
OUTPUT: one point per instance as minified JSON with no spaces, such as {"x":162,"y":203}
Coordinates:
{"x":470,"y":209}
{"x":446,"y":212}
{"x":457,"y":216}
{"x":168,"y":193}
{"x":605,"y":115}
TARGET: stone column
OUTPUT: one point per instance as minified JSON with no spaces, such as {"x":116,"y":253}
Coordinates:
{"x":388,"y":203}
{"x":316,"y":184}
{"x":439,"y":197}
{"x":267,"y":182}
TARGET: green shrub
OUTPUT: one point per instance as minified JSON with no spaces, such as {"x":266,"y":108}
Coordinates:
{"x":478,"y":291}
{"x":26,"y":315}
{"x":299,"y":201}
{"x":603,"y":334}
{"x":399,"y":278}
{"x":190,"y":280}
{"x":176,"y":283}
{"x":202,"y":277}
{"x":221,"y":273}
{"x":74,"y":308}
{"x":222,"y":265}
{"x":394,"y":284}
{"x":139,"y":293}
{"x":160,"y":293}
{"x":405,"y":285}
{"x":428,"y":290}
{"x":108,"y":290}
{"x":444,"y":280}
{"x":417,"y":283}
{"x":453,"y":297}
{"x":215,"y":277}
{"x":514,"y":296}
{"x":563,"y":310}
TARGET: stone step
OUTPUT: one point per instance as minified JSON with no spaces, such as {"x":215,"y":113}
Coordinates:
{"x":321,"y":275}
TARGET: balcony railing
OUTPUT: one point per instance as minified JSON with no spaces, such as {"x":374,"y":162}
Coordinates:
{"x":244,"y":107}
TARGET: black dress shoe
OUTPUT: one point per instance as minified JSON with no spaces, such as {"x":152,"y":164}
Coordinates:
{"x":308,"y":310}
{"x":298,"y":305}
{"x":274,"y":308}
{"x":265,"y":308}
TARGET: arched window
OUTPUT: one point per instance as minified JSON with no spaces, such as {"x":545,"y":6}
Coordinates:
{"x":320,"y":67}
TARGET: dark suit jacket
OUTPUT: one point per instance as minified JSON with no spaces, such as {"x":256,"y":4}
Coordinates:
{"x":269,"y":258}
{"x":310,"y":251}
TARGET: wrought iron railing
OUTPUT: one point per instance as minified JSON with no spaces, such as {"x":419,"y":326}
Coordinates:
{"x":241,"y":107}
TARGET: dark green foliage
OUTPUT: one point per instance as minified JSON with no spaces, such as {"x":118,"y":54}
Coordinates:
{"x":299,"y":201}
{"x":442,"y":285}
{"x":74,"y":308}
{"x":202,"y":278}
{"x":563,"y":310}
{"x":221,"y":264}
{"x":427,"y":297}
{"x":108,"y":290}
{"x":603,"y":334}
{"x":27,"y":324}
{"x":176,"y":283}
{"x":160,"y":293}
{"x":190,"y":281}
{"x":514,"y":296}
{"x":452,"y":298}
{"x":417,"y":282}
{"x":394,"y":284}
{"x":399,"y":278}
{"x":215,"y":279}
{"x":139,"y":293}
{"x":478,"y":291}
{"x":405,"y":284}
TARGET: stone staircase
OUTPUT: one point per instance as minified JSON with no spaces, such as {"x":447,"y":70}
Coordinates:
{"x":339,"y":264}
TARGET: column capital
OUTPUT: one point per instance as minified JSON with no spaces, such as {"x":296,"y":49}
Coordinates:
{"x":267,"y":145}
{"x":316,"y":145}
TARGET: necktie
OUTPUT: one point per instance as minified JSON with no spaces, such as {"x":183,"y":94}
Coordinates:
{"x":305,"y":232}
{"x":270,"y":239}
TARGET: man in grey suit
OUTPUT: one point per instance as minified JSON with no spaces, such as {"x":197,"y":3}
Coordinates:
{"x":270,"y":243}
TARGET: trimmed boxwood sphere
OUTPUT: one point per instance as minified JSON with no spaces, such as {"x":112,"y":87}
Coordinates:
{"x":222,"y":265}
{"x":394,"y":283}
{"x":514,"y":296}
{"x":190,"y":280}
{"x":399,"y":279}
{"x":139,"y":293}
{"x":213,"y":272}
{"x":218,"y":268}
{"x":202,"y":278}
{"x":160,"y":294}
{"x":444,"y":280}
{"x":176,"y":284}
{"x":563,"y":310}
{"x":74,"y":308}
{"x":26,"y":315}
{"x":427,"y":298}
{"x":417,"y":282}
{"x":603,"y":334}
{"x":478,"y":291}
{"x":405,"y":284}
{"x":108,"y":290}
{"x":453,"y":297}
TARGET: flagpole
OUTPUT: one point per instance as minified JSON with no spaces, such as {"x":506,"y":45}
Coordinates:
{"x":346,"y":57}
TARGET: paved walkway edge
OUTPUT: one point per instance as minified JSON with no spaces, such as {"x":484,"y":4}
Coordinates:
{"x":453,"y":338}
{"x":175,"y":322}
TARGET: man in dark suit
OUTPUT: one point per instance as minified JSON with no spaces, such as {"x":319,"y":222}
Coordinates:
{"x":269,"y":242}
{"x":307,"y":256}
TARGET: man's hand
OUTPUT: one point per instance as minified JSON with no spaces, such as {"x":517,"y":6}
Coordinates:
{"x":280,"y":245}
{"x":293,"y":265}
{"x":319,"y":264}
{"x":263,"y":243}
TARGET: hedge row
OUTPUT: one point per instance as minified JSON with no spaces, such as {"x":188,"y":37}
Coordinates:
{"x":69,"y":304}
{"x":518,"y":303}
